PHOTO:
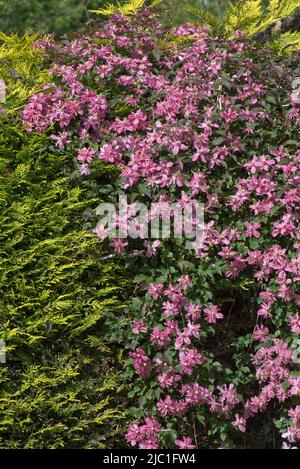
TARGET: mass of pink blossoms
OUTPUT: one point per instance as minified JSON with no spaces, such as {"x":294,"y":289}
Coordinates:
{"x":188,"y":117}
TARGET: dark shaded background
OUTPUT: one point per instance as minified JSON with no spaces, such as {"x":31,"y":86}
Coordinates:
{"x":62,"y":16}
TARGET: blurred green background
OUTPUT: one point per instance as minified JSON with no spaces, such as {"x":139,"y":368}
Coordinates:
{"x":62,"y":16}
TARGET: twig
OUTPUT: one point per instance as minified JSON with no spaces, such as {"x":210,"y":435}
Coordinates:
{"x":134,"y":254}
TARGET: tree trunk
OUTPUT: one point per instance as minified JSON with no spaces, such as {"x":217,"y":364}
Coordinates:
{"x":289,"y":24}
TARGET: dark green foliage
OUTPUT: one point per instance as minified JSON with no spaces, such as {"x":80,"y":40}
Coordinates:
{"x":180,"y":9}
{"x":46,"y":16}
{"x":61,"y":16}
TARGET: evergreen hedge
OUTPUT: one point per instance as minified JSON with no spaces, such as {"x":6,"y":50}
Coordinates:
{"x":60,"y":385}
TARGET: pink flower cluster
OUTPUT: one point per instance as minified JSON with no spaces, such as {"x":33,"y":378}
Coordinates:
{"x":142,"y":363}
{"x":145,"y":436}
{"x":193,"y":119}
{"x":273,"y":368}
{"x":181,"y":341}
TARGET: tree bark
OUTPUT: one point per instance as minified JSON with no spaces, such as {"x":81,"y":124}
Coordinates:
{"x":289,"y":24}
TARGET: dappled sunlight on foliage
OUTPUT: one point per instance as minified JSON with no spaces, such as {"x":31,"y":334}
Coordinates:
{"x":183,"y":116}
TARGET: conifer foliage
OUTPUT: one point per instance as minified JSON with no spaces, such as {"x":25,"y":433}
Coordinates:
{"x":60,"y":384}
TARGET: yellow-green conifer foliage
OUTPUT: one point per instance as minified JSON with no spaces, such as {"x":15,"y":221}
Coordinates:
{"x":253,"y":17}
{"x":59,"y":387}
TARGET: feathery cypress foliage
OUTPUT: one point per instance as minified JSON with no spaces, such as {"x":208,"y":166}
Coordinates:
{"x":255,"y":18}
{"x":59,"y":386}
